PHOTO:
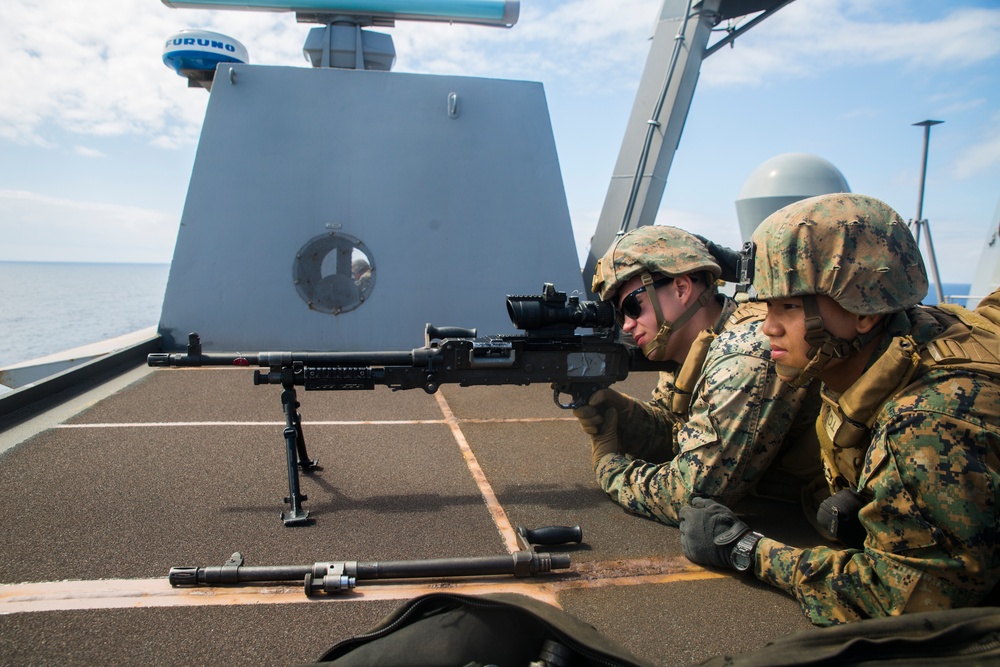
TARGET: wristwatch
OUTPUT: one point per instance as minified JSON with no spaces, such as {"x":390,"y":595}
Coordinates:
{"x":742,"y":554}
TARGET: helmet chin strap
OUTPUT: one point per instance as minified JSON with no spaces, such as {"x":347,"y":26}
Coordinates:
{"x":823,"y":345}
{"x":666,"y":328}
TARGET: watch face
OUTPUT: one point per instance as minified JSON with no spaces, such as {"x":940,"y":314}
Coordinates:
{"x":742,"y":554}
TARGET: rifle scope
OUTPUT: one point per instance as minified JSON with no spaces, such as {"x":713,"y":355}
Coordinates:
{"x":553,"y":310}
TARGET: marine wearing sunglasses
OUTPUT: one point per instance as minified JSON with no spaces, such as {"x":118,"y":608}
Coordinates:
{"x":630,"y":306}
{"x":652,"y":335}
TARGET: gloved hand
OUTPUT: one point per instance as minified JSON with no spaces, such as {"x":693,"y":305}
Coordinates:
{"x":606,"y":440}
{"x":709,"y":531}
{"x":728,"y":259}
{"x":838,"y":517}
{"x":591,"y":416}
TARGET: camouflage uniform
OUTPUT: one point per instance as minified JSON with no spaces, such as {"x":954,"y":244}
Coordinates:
{"x":931,"y":480}
{"x":927,"y":469}
{"x":740,"y":413}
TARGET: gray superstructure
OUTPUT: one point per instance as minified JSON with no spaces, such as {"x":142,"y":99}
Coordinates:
{"x":448,"y":186}
{"x":342,"y":207}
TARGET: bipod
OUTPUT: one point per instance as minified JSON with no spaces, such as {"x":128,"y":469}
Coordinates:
{"x":295,"y":451}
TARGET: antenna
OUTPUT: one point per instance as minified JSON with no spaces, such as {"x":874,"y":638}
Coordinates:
{"x":919,"y":222}
{"x":341,"y":43}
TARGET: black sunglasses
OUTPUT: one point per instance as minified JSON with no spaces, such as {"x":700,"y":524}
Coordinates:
{"x":630,"y":306}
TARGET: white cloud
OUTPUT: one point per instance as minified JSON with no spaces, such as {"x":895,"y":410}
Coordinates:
{"x":35,"y":227}
{"x":810,"y":38}
{"x":981,"y":155}
{"x":95,"y":68}
{"x":587,"y":42}
{"x":88,"y":152}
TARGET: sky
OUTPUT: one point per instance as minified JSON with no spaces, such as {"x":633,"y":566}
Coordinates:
{"x":98,"y":137}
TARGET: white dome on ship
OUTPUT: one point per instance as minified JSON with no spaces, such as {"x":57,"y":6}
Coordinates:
{"x":202,"y":50}
{"x":782,"y":180}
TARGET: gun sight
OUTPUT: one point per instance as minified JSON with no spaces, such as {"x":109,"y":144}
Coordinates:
{"x":553,"y":310}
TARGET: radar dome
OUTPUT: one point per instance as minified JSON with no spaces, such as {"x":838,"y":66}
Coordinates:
{"x":201,"y":51}
{"x":782,"y":180}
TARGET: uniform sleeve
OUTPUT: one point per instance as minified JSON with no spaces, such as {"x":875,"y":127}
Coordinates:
{"x":931,"y":520}
{"x":739,"y":417}
{"x":648,"y":434}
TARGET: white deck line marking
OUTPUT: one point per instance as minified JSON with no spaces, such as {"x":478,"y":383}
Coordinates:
{"x":492,"y":504}
{"x":144,"y":593}
{"x":403,"y":422}
{"x":386,"y":422}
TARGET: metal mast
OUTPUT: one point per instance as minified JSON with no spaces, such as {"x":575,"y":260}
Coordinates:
{"x":919,"y":222}
{"x":680,"y":43}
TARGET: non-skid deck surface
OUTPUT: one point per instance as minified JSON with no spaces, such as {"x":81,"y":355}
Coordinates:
{"x":187,"y":466}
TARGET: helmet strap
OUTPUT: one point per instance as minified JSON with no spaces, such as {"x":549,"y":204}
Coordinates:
{"x":666,"y":328}
{"x":823,"y":345}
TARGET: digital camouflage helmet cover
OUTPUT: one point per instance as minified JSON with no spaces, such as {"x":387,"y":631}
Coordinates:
{"x":648,"y":252}
{"x":852,"y":248}
{"x":656,"y":249}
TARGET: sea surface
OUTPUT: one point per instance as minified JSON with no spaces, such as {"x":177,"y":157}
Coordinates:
{"x":50,"y":307}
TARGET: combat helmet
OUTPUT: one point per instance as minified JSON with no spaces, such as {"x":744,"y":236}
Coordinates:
{"x":651,"y":251}
{"x":654,"y":249}
{"x":852,"y":248}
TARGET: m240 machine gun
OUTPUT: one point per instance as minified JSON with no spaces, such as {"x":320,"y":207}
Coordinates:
{"x":550,"y":351}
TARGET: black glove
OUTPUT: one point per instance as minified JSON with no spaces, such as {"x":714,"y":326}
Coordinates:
{"x":838,"y":516}
{"x":728,"y":259}
{"x":710,"y":531}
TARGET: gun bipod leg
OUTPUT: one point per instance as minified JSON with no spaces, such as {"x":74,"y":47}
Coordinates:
{"x":296,"y":457}
{"x":306,"y":464}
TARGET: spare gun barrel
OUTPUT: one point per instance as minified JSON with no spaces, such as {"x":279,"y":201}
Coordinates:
{"x":336,"y":577}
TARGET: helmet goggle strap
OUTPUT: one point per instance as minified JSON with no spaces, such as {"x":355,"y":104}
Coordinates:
{"x":666,"y":328}
{"x":823,"y":345}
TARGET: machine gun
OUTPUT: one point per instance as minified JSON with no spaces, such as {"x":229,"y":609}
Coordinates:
{"x":340,"y":577}
{"x":550,"y":351}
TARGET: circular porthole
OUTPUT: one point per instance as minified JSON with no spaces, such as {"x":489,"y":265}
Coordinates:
{"x":334,"y":273}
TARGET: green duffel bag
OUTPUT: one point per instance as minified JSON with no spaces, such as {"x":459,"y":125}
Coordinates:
{"x":500,"y":629}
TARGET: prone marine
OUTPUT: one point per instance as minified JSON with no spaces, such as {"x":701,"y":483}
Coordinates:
{"x":720,"y":423}
{"x":909,"y":427}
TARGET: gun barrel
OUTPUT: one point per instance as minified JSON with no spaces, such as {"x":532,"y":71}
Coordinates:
{"x":518,"y":564}
{"x":162,"y":359}
{"x":279,"y":359}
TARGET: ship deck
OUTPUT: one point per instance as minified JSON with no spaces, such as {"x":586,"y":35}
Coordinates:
{"x":169,"y":467}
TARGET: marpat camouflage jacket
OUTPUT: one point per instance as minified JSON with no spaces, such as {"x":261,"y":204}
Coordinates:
{"x":931,"y":479}
{"x":740,"y":416}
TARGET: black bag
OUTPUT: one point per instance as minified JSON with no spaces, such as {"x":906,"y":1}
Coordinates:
{"x":444,"y":629}
{"x":460,"y":630}
{"x":968,"y":636}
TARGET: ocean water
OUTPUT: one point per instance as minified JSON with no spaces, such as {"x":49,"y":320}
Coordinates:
{"x":952,"y":290}
{"x":51,"y":307}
